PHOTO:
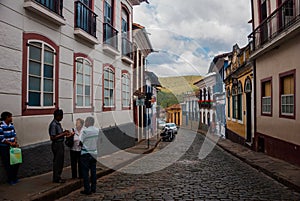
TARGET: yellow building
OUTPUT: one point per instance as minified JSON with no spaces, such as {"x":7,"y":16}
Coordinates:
{"x":174,"y":114}
{"x":239,"y":96}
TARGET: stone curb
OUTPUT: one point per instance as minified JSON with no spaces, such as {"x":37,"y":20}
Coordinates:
{"x":73,"y":185}
{"x":271,"y":174}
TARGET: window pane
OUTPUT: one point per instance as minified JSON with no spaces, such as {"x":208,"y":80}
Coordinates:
{"x":87,"y":90}
{"x":34,"y":99}
{"x":87,"y":80}
{"x":79,"y":89}
{"x":48,"y":99}
{"x":106,"y":93}
{"x":111,"y":76}
{"x":48,"y":85}
{"x":106,"y":83}
{"x":79,"y":67}
{"x":105,"y":74}
{"x":106,"y":102}
{"x":34,"y":83}
{"x":34,"y":68}
{"x":79,"y":79}
{"x":87,"y":69}
{"x":48,"y":71}
{"x":79,"y":101}
{"x":35,"y":53}
{"x":48,"y":57}
{"x":111,"y":85}
{"x":87,"y":101}
{"x":111,"y":93}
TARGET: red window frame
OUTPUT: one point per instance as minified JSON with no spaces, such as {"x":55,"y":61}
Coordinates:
{"x":262,"y":82}
{"x":109,"y":108}
{"x":38,"y":111}
{"x":125,"y":72}
{"x":281,"y":76}
{"x":82,"y":110}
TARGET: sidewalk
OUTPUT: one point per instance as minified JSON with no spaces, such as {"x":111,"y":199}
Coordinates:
{"x":279,"y":170}
{"x":41,"y":187}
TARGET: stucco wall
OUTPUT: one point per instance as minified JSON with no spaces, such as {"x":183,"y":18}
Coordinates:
{"x":284,"y":58}
{"x":16,"y":20}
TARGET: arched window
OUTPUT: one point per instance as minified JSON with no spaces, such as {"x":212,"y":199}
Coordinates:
{"x":208,"y":94}
{"x":204,"y":117}
{"x":83,"y":81}
{"x":108,"y":88}
{"x":240,"y":101}
{"x":125,"y":90}
{"x":40,"y":75}
{"x":234,"y":91}
{"x":204,"y":94}
{"x":228,"y":102}
{"x":248,"y":85}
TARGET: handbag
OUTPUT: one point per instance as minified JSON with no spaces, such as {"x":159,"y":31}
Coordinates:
{"x":15,"y":155}
{"x":69,"y":142}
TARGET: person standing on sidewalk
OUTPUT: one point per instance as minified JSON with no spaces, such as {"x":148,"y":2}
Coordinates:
{"x":57,"y":136}
{"x":89,"y":140}
{"x":75,"y":151}
{"x":7,"y":140}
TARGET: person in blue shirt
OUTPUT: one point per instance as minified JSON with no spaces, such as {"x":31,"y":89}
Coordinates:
{"x":7,"y":140}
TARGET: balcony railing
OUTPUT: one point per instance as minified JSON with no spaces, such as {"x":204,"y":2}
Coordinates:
{"x":278,"y":21}
{"x":205,"y":103}
{"x":110,"y":35}
{"x":85,"y":18}
{"x":55,"y":6}
{"x":127,"y":48}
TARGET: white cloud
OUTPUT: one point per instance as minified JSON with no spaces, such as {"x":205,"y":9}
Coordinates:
{"x":193,"y":30}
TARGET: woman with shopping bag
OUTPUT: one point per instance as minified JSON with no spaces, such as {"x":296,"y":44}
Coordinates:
{"x":10,"y":156}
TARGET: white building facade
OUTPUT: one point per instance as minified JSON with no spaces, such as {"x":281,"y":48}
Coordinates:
{"x":73,"y":55}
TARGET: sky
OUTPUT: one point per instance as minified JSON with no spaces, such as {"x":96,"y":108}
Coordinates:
{"x":188,"y":34}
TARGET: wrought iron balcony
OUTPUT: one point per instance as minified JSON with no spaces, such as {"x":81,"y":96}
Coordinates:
{"x":127,"y":48}
{"x":85,"y":18}
{"x":205,"y":103}
{"x":55,"y":6}
{"x":283,"y":18}
{"x":110,"y":35}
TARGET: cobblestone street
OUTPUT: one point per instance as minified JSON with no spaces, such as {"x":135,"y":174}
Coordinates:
{"x":219,"y":176}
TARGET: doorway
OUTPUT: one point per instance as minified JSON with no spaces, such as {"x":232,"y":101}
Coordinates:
{"x":248,"y":117}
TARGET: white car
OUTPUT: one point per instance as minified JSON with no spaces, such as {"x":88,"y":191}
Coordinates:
{"x":172,"y":126}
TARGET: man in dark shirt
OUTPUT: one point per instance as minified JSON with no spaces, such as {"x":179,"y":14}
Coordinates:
{"x":57,"y":136}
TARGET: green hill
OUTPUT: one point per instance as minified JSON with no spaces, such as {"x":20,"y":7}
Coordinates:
{"x":179,"y":85}
{"x":173,"y":89}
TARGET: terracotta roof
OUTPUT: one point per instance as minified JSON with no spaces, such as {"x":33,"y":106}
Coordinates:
{"x":176,"y":106}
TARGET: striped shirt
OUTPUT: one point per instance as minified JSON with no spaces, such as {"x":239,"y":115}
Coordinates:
{"x":7,"y":133}
{"x":89,"y":139}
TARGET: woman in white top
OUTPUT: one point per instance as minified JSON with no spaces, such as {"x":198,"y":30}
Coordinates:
{"x":76,"y":149}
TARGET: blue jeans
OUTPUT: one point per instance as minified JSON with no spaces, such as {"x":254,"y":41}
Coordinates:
{"x":88,"y":163}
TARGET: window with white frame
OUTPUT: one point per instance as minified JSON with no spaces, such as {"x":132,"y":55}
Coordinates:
{"x":83,"y":83}
{"x":125,"y":90}
{"x":234,"y":102}
{"x":109,"y":83}
{"x":266,"y":105}
{"x":41,"y":75}
{"x":240,"y":101}
{"x":287,"y":94}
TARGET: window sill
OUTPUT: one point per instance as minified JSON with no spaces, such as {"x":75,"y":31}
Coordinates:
{"x":37,"y":111}
{"x":127,"y":60}
{"x":110,"y":50}
{"x":84,"y":35}
{"x":83,"y":110}
{"x":287,"y":116}
{"x":42,"y":11}
{"x":126,"y":108}
{"x":107,"y":109}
